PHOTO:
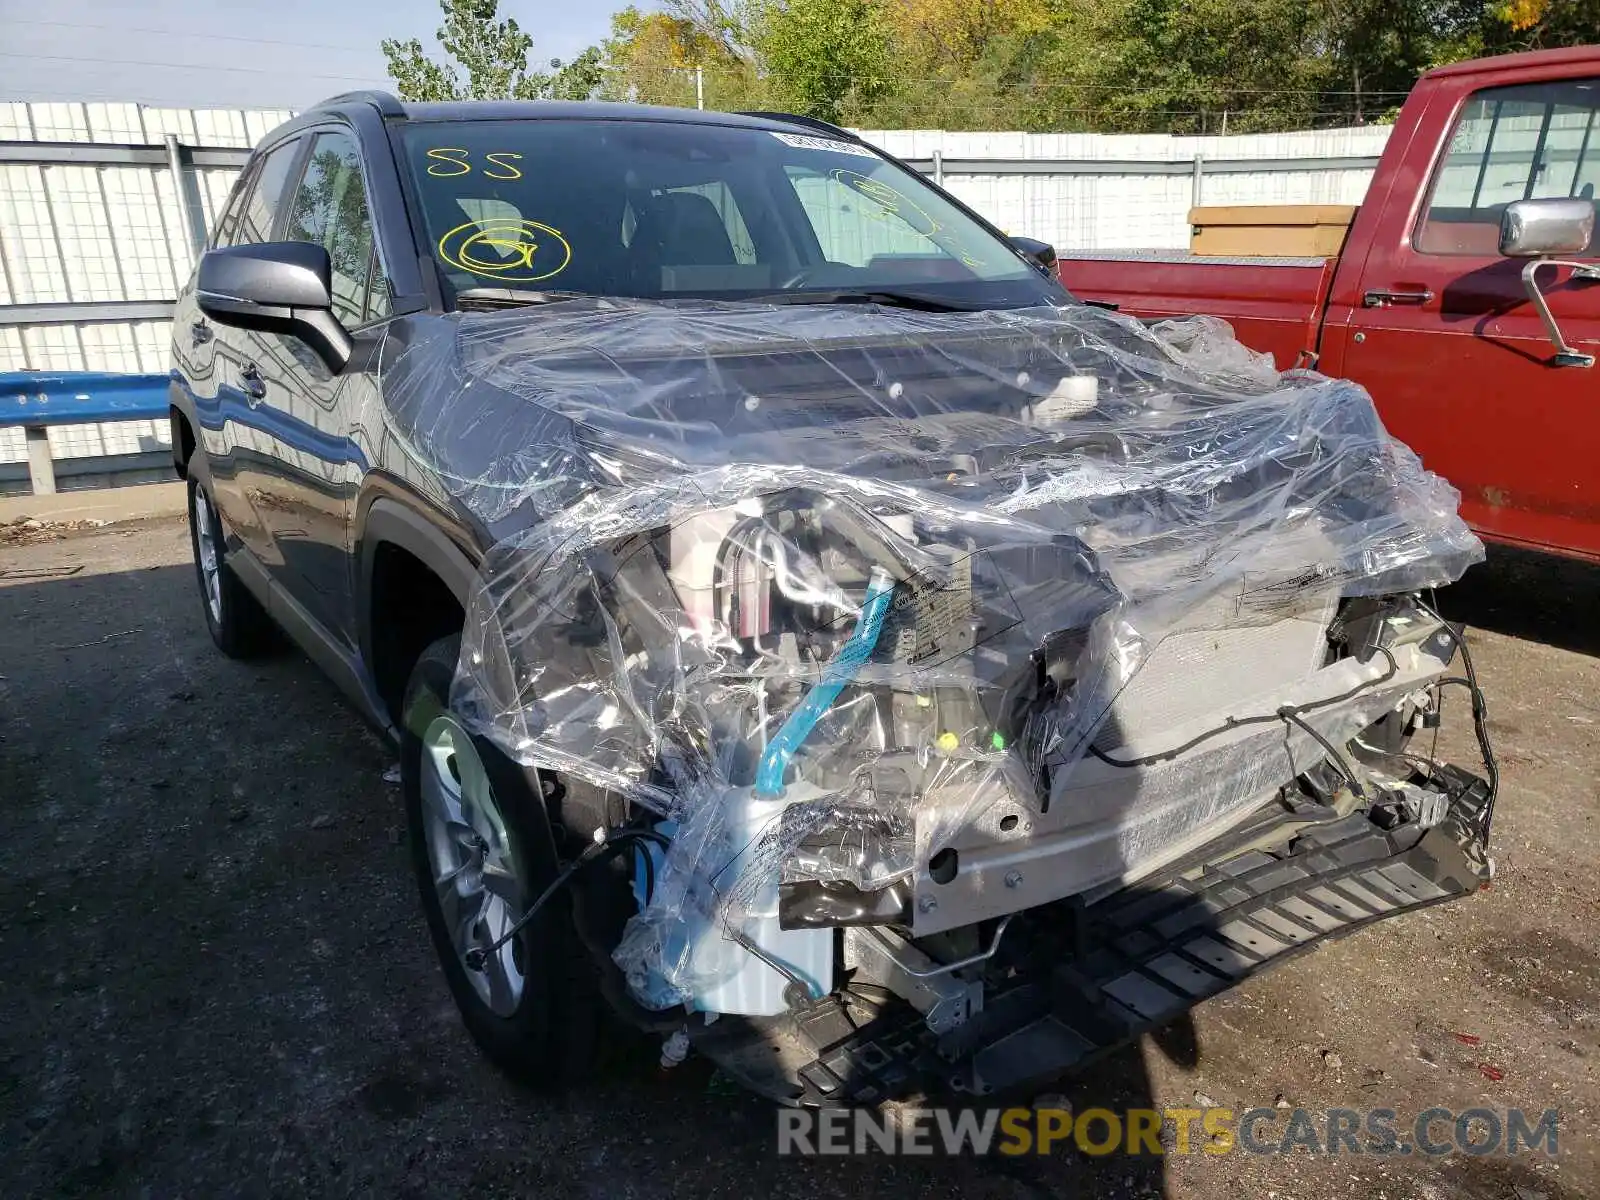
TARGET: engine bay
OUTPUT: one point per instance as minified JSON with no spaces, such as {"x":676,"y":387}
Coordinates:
{"x":884,"y":635}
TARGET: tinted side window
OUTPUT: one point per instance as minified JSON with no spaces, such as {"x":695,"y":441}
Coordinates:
{"x":228,"y":223}
{"x":255,"y":223}
{"x":330,"y":208}
{"x":1514,"y":143}
{"x":377,"y":289}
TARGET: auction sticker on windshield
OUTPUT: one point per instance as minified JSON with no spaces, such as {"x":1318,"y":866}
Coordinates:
{"x":801,"y":142}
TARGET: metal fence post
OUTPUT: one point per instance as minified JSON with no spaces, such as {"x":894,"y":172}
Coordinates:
{"x":1197,"y":189}
{"x":186,"y":209}
{"x":41,"y":467}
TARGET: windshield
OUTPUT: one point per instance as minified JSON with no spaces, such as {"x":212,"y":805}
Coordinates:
{"x":659,"y":209}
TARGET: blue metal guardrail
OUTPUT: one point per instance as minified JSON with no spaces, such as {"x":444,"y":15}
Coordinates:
{"x":36,"y":400}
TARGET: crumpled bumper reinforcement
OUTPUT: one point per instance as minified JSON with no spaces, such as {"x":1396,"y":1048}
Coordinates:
{"x":1081,"y":981}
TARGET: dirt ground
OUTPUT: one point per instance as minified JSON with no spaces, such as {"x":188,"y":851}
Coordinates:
{"x":214,"y":978}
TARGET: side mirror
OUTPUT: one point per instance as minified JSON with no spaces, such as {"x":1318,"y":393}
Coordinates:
{"x":1534,"y":228}
{"x":1537,"y":229}
{"x":1041,"y":254}
{"x":275,"y":287}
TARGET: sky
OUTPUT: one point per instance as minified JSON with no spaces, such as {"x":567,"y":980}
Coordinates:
{"x":241,"y":53}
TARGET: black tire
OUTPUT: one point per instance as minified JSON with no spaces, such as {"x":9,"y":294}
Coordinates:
{"x":239,"y":626}
{"x":549,"y":1040}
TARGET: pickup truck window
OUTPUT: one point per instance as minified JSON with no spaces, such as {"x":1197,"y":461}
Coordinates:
{"x":1512,"y":143}
{"x":664,"y":209}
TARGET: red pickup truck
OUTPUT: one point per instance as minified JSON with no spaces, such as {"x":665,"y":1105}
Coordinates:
{"x":1466,"y":297}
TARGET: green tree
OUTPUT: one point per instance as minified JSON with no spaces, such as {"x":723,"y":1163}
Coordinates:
{"x":1369,"y":53}
{"x":1540,"y":24}
{"x":487,"y":60}
{"x":1179,"y":66}
{"x":583,"y":78}
{"x":962,"y":64}
{"x":727,"y":23}
{"x":824,"y":58}
{"x":653,"y":58}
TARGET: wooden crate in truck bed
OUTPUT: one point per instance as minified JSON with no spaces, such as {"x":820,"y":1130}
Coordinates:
{"x":1315,"y":230}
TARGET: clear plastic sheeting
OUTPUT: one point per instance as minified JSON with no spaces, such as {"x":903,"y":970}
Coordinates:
{"x":831,"y":590}
{"x":1207,"y":345}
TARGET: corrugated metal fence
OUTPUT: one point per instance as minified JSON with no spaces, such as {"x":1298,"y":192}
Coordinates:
{"x":94,"y":245}
{"x":100,"y":203}
{"x":1090,"y":191}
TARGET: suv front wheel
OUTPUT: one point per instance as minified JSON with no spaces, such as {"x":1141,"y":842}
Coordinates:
{"x":482,"y":849}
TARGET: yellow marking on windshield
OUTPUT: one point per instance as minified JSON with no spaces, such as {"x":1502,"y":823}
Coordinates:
{"x":890,"y":203}
{"x":438,"y":156}
{"x":515,"y":172}
{"x":513,"y":252}
{"x":441,"y":157}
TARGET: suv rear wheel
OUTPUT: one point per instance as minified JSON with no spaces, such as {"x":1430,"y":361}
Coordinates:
{"x":238,"y":624}
{"x":482,"y":849}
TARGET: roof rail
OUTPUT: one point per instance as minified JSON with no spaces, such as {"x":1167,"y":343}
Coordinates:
{"x":382,"y":101}
{"x":808,"y":122}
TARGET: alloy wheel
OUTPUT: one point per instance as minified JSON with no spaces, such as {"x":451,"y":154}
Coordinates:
{"x":473,"y":868}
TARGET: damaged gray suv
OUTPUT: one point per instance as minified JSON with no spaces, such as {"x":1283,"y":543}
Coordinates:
{"x":811,"y":636}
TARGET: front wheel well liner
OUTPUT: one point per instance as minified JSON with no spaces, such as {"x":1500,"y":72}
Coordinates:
{"x":410,"y":609}
{"x":417,"y":581}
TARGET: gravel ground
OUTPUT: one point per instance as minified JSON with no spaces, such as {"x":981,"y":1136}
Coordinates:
{"x":214,"y":978}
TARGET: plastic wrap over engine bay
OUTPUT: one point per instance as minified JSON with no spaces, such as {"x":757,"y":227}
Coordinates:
{"x":867,"y":608}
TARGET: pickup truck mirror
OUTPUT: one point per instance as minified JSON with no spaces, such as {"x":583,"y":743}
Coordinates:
{"x":1533,"y":228}
{"x":1041,"y":254}
{"x":275,"y":287}
{"x":1537,"y":229}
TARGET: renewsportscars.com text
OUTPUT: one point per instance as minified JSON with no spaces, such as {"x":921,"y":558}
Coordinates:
{"x":1378,"y":1132}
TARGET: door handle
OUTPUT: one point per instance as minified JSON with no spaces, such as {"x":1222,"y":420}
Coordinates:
{"x":1382,"y":298}
{"x":255,"y":387}
{"x":199,"y":332}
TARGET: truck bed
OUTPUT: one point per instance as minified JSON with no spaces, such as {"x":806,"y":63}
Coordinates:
{"x":1274,"y":304}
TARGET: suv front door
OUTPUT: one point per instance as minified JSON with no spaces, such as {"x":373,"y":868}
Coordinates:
{"x":218,"y":357}
{"x":1441,"y":330}
{"x":306,"y":492}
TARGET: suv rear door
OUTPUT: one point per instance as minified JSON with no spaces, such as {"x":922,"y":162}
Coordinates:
{"x":1439,"y":328}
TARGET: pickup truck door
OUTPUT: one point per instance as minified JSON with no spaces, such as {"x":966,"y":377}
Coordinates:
{"x":305,"y":492}
{"x":1439,"y":327}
